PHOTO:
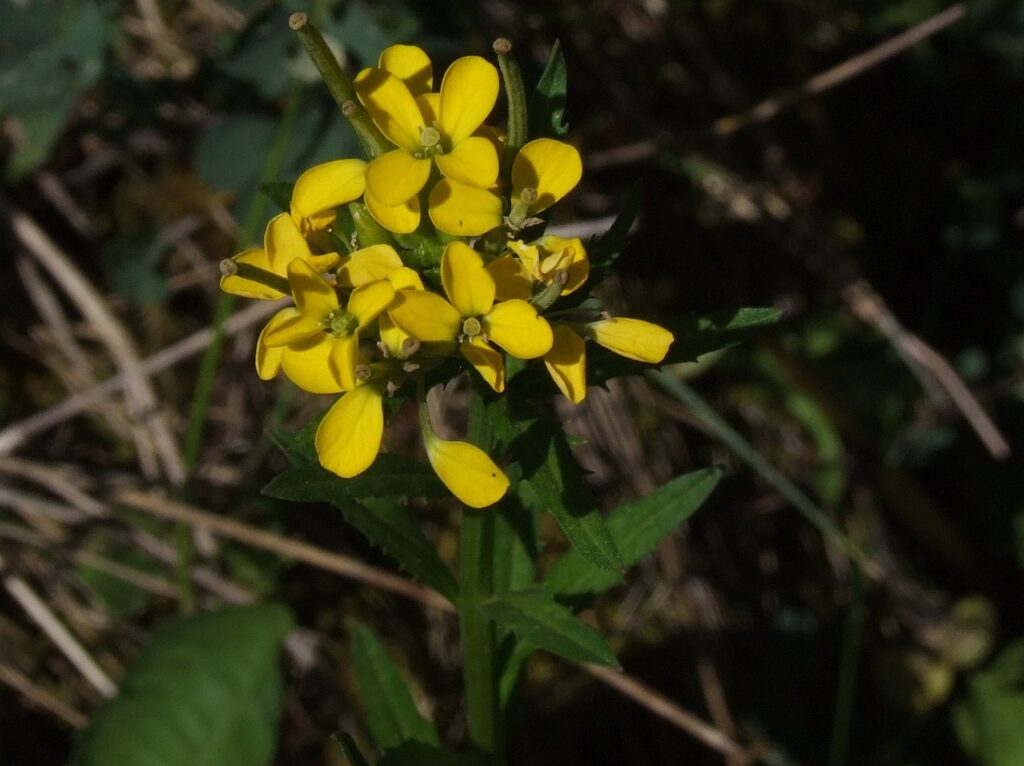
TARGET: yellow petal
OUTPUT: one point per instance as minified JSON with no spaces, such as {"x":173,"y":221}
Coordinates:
{"x":284,"y":243}
{"x":268,"y":358}
{"x":632,"y":338}
{"x":393,"y":336}
{"x":343,"y":359}
{"x":401,"y":219}
{"x":324,"y":187}
{"x":510,"y":280}
{"x":468,"y":92}
{"x":405,"y":279}
{"x":469,"y":286}
{"x":462,"y":210}
{"x":430,"y":107}
{"x":396,"y":176}
{"x":579,"y":264}
{"x":368,"y":301}
{"x":410,"y":65}
{"x":391,"y":106}
{"x":467,"y":471}
{"x":291,"y":329}
{"x":246,"y":288}
{"x":486,"y":360}
{"x":529,"y":256}
{"x":314,"y":297}
{"x":348,"y":438}
{"x":425,"y":315}
{"x":307,"y":364}
{"x":517,"y":327}
{"x":369,"y":264}
{"x":567,"y":363}
{"x":552,"y":168}
{"x":472,"y":161}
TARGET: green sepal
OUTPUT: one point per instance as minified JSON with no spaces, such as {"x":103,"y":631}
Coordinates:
{"x":368,"y":231}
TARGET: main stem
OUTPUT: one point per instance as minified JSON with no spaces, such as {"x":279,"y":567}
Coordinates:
{"x":479,"y":639}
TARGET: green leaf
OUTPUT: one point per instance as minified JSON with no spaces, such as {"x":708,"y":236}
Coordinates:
{"x":224,"y":152}
{"x":350,"y":749}
{"x":380,"y":520}
{"x":420,"y":754}
{"x":989,"y":718}
{"x":547,"y":105}
{"x":205,"y":691}
{"x":558,"y":487}
{"x":637,"y":527}
{"x":390,"y":712}
{"x":278,"y":192}
{"x":536,"y":618}
{"x":605,"y":250}
{"x":515,"y":545}
{"x":389,"y":476}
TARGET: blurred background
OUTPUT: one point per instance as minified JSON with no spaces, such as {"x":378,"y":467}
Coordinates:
{"x":859,"y":165}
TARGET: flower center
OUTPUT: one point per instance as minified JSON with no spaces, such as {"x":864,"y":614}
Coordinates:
{"x":471,"y":327}
{"x":340,"y":323}
{"x":430,"y":142}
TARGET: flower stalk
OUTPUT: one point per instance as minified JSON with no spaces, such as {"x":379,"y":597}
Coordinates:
{"x":515,"y":93}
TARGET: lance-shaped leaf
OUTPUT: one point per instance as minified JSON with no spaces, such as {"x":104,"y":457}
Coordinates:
{"x":390,"y":711}
{"x":536,"y":618}
{"x":205,"y":691}
{"x":637,"y":527}
{"x":547,"y":105}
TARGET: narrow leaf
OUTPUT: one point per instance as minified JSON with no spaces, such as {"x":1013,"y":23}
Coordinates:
{"x":547,"y":105}
{"x":205,"y":691}
{"x":390,"y":711}
{"x":605,"y":250}
{"x":535,"y":617}
{"x":558,"y":487}
{"x":637,"y":527}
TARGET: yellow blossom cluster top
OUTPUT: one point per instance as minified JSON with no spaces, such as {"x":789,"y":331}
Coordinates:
{"x":372,"y":311}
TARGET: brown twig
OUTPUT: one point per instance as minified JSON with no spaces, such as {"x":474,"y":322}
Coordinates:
{"x":848,"y":69}
{"x":37,"y":695}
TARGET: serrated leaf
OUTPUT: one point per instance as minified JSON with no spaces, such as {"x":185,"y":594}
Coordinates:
{"x":382,"y":521}
{"x":547,"y":104}
{"x":278,"y":192}
{"x":637,"y":527}
{"x":535,"y":617}
{"x":389,"y":476}
{"x":558,"y":487}
{"x":390,"y":711}
{"x":205,"y":691}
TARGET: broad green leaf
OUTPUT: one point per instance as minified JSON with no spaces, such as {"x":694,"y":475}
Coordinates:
{"x":558,"y":487}
{"x":390,"y":712}
{"x":278,"y":192}
{"x":382,"y":521}
{"x":547,"y":105}
{"x":536,"y":618}
{"x":350,"y":749}
{"x":421,"y":754}
{"x":989,"y":717}
{"x":637,"y":527}
{"x":205,"y":691}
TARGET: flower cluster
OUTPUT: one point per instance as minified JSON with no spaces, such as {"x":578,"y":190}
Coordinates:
{"x":383,"y":294}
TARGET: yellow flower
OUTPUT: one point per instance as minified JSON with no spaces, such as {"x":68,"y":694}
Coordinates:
{"x":432,"y":129}
{"x":348,"y":438}
{"x":323,"y":188}
{"x":543,"y":172}
{"x":316,"y":342}
{"x":472,"y":316}
{"x":567,"y":363}
{"x":282,"y":243}
{"x":548,"y":259}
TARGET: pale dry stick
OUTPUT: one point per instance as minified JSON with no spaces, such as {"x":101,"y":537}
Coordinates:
{"x":17,"y":433}
{"x":40,"y":506}
{"x":842,"y":72}
{"x":69,"y":646}
{"x":53,"y":480}
{"x":927,"y":364}
{"x":400,"y":586}
{"x":41,"y":697}
{"x":145,"y":403}
{"x":718,"y":707}
{"x":60,"y":198}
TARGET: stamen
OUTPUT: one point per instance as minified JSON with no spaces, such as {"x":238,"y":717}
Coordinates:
{"x":429,"y":137}
{"x":528,"y":195}
{"x":410,"y":346}
{"x":471,"y":327}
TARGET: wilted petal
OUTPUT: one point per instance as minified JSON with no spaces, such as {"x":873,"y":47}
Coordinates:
{"x":391,"y":106}
{"x":632,"y":338}
{"x":486,"y":360}
{"x":348,"y":438}
{"x":425,"y":315}
{"x":401,"y":219}
{"x":410,"y":65}
{"x":567,"y":363}
{"x":369,"y":264}
{"x":463,"y":210}
{"x":314,"y":297}
{"x":396,"y":177}
{"x":552,"y":168}
{"x":324,"y":187}
{"x":468,"y":92}
{"x":467,"y":471}
{"x":469,"y":286}
{"x":517,"y":327}
{"x":473,"y":161}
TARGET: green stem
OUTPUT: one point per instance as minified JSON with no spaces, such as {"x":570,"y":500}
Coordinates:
{"x":340,"y":86}
{"x":478,"y":633}
{"x":515,"y":93}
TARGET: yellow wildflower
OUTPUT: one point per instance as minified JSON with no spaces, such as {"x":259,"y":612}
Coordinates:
{"x":544,"y":171}
{"x":472,"y":316}
{"x":547,"y":260}
{"x":348,"y":438}
{"x":322,"y":189}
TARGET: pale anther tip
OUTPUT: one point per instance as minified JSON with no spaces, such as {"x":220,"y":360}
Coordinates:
{"x":297,"y":21}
